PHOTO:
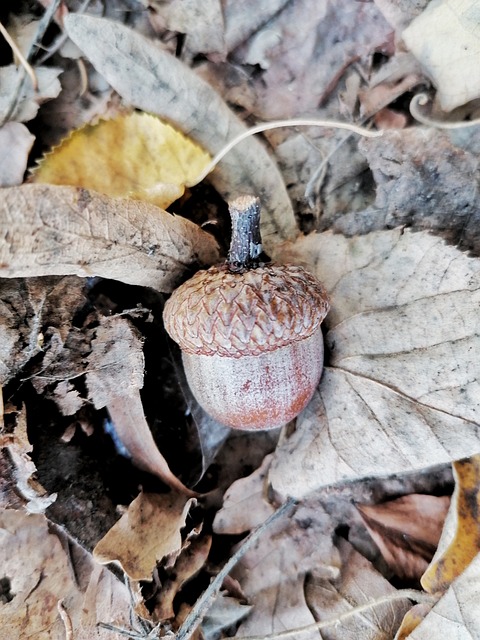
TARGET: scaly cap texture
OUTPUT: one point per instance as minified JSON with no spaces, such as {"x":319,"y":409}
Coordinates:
{"x":233,"y":315}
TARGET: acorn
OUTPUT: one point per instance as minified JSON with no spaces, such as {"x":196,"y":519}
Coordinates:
{"x":249,"y":331}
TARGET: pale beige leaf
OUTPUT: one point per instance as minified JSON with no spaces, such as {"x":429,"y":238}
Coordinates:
{"x":15,"y":144}
{"x":401,"y":390}
{"x":445,"y":39}
{"x":54,"y":230}
{"x":456,"y":616}
{"x":358,"y":584}
{"x":19,"y":101}
{"x":38,"y":573}
{"x":152,"y":80}
{"x":272,"y":573}
{"x":145,"y":534}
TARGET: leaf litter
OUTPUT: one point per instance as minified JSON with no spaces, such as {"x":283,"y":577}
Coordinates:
{"x":401,"y":378}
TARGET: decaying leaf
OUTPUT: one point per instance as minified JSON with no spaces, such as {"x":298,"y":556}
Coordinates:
{"x":16,"y":142}
{"x":224,"y":614}
{"x":53,"y":230}
{"x":134,"y":155}
{"x":114,"y":380}
{"x":41,"y":568}
{"x":272,"y":573}
{"x":190,"y":561}
{"x":460,"y":543}
{"x":147,"y":533}
{"x":154,"y":81}
{"x":36,"y":499}
{"x":358,"y":584}
{"x":444,"y":38}
{"x":401,"y":389}
{"x":407,"y":530}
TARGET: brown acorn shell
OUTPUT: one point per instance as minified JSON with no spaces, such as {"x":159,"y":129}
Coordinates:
{"x":218,"y":312}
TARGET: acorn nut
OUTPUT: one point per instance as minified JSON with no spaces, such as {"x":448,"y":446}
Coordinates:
{"x":249,"y":331}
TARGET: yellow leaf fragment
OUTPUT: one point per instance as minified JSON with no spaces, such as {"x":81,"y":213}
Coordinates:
{"x":135,"y":155}
{"x":465,"y":544}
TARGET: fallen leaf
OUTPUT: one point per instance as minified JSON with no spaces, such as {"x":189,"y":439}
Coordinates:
{"x":134,"y":155}
{"x":224,"y":614}
{"x":421,"y":176}
{"x":455,"y":555}
{"x":19,"y":102}
{"x":146,"y":533}
{"x":407,"y":531}
{"x":40,"y":568}
{"x":52,"y":230}
{"x":272,"y":573}
{"x":358,"y":584}
{"x":16,"y":142}
{"x":114,"y":379}
{"x":400,"y":13}
{"x":444,"y":38}
{"x":456,"y":614}
{"x":156,"y":82}
{"x":191,"y":560}
{"x":412,"y":619}
{"x":401,"y":381}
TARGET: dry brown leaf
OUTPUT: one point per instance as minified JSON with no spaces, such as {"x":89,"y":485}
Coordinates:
{"x":36,"y":499}
{"x":28,"y":310}
{"x":190,"y":561}
{"x":412,"y":619}
{"x":114,"y":380}
{"x":444,"y":38}
{"x":148,"y":532}
{"x":401,"y":390}
{"x":38,"y":573}
{"x":400,"y":13}
{"x":133,"y":155}
{"x":19,"y":102}
{"x":224,"y":614}
{"x":156,"y":82}
{"x":407,"y":530}
{"x":52,"y":230}
{"x":358,"y":584}
{"x":16,"y":142}
{"x":460,"y":543}
{"x":272,"y":573}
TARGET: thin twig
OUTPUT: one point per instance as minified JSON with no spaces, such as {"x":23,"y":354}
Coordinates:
{"x":421,"y":100}
{"x":205,"y":601}
{"x":277,"y":124}
{"x":67,"y":621}
{"x":404,"y":594}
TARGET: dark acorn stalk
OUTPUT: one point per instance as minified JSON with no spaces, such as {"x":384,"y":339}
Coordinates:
{"x":250,"y":334}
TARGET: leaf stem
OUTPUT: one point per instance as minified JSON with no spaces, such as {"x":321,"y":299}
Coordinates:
{"x":277,"y":124}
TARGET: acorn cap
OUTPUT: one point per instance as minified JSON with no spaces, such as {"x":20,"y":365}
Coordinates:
{"x":218,"y":312}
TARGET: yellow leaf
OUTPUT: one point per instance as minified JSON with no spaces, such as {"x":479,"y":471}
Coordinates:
{"x":134,"y":155}
{"x":465,"y":543}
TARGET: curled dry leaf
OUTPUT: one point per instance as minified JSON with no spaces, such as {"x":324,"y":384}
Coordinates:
{"x":15,"y":144}
{"x":148,"y":532}
{"x":407,"y":530}
{"x":460,"y":541}
{"x":444,"y":38}
{"x":401,"y":391}
{"x":154,"y":81}
{"x":114,"y":380}
{"x":42,"y":567}
{"x":52,"y":230}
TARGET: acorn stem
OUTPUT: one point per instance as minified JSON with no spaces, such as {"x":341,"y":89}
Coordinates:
{"x":246,"y":243}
